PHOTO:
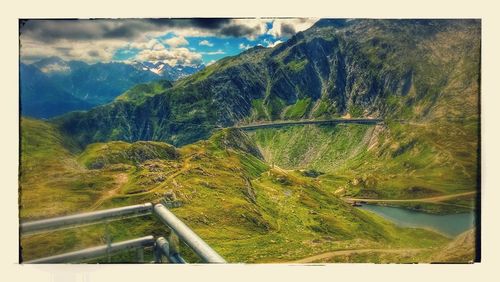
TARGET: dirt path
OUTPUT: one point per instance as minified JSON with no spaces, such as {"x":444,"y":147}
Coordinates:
{"x":427,"y":200}
{"x":339,"y":191}
{"x":282,"y":170}
{"x":328,"y":255}
{"x":186,"y":165}
{"x":120,"y":180}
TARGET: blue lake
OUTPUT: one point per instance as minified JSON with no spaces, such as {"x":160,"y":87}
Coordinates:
{"x":450,"y":225}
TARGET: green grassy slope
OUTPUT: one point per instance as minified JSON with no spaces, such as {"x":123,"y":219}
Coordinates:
{"x":246,"y":210}
{"x":52,"y":182}
{"x":393,"y":161}
{"x":139,"y":93}
{"x":57,"y":179}
{"x":324,"y":148}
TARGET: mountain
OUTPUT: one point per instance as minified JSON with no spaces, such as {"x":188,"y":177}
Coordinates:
{"x":420,"y":76}
{"x":400,"y":69}
{"x":89,"y":84}
{"x":43,"y":98}
{"x":141,"y":92}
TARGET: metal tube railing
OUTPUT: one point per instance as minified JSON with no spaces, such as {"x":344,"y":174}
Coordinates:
{"x":83,"y":218}
{"x":202,"y":249}
{"x":97,"y":251}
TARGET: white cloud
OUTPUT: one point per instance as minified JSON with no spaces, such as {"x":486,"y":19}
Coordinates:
{"x":172,"y":56}
{"x":244,"y":47}
{"x":210,"y":63}
{"x":88,"y":51}
{"x":176,"y":41}
{"x":251,"y":28}
{"x":151,"y":44}
{"x":272,"y":44}
{"x":55,"y":68}
{"x":288,"y":27}
{"x":206,"y":43}
{"x":218,"y":52}
{"x":98,"y":40}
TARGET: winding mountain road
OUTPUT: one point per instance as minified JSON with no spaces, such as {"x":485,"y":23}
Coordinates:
{"x":306,"y":122}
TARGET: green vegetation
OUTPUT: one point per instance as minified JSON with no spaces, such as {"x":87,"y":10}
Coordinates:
{"x":139,"y":93}
{"x":298,"y":110}
{"x":274,"y":107}
{"x":99,"y":155}
{"x":263,"y":214}
{"x":396,"y":161}
{"x":396,"y":69}
{"x":323,"y":109}
{"x":52,"y":182}
{"x":324,"y":148}
{"x":297,"y":66}
{"x":259,"y":110}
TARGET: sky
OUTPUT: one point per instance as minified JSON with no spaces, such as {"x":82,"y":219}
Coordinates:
{"x":187,"y":42}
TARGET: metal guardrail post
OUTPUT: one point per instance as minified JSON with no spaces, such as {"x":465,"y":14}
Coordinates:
{"x":140,"y":255}
{"x":159,"y":250}
{"x":202,"y":249}
{"x":96,"y":251}
{"x":83,"y":218}
{"x":163,"y":248}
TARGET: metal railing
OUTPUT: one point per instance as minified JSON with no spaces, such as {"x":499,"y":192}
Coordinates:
{"x":84,"y":218}
{"x":97,"y":251}
{"x":202,"y":249}
{"x":161,"y":246}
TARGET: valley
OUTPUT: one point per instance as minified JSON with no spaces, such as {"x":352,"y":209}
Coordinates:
{"x":263,"y":213}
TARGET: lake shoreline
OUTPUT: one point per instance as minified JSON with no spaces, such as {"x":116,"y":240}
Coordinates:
{"x":449,"y":225}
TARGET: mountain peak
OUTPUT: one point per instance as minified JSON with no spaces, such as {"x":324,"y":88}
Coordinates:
{"x":167,"y":71}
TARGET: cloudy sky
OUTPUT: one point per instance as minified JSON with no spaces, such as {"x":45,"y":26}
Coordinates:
{"x":173,"y":41}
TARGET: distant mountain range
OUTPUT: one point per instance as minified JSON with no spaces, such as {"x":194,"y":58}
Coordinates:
{"x":52,"y":86}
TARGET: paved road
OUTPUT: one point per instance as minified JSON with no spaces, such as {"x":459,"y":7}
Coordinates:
{"x":305,"y":122}
{"x":428,"y":200}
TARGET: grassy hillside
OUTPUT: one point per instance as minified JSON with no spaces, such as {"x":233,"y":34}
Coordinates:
{"x":392,"y":161}
{"x":245,"y":209}
{"x":57,"y":179}
{"x":52,"y":182}
{"x":139,"y":93}
{"x":323,"y":148}
{"x":100,"y":155}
